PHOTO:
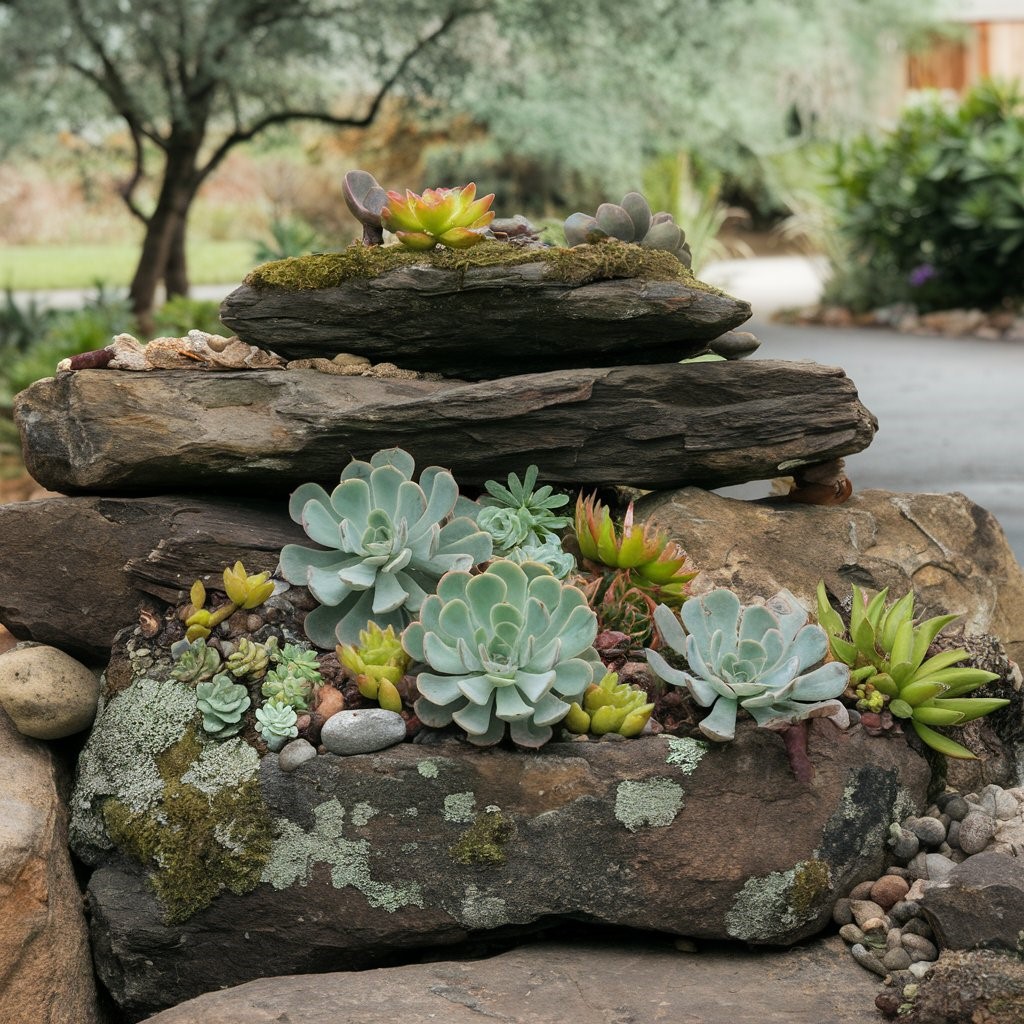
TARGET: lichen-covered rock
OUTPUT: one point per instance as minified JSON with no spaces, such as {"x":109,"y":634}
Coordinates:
{"x":969,"y":988}
{"x":46,"y":693}
{"x":45,"y":967}
{"x":424,"y":846}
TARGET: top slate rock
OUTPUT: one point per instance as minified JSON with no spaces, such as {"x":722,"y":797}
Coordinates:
{"x":486,"y":312}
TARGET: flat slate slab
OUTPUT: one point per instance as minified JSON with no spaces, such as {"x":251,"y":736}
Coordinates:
{"x":483,"y":322}
{"x":265,"y":432}
{"x":638,"y":980}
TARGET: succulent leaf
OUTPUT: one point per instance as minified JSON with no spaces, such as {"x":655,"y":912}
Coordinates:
{"x":276,"y":723}
{"x":451,"y":217}
{"x":222,"y":703}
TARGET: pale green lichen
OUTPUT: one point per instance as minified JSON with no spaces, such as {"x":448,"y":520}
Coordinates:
{"x":412,"y":812}
{"x":362,"y":813}
{"x":119,"y":760}
{"x":482,"y":912}
{"x":225,"y":764}
{"x":685,"y":754}
{"x":295,"y":851}
{"x":460,"y":807}
{"x":769,"y":906}
{"x":655,"y":802}
{"x":428,"y":769}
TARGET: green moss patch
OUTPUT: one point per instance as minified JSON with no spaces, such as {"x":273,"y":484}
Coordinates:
{"x":196,"y":842}
{"x":484,"y":841}
{"x":577,"y":266}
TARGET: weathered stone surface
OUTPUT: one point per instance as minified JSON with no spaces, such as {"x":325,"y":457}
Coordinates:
{"x":485,"y":321}
{"x":46,"y":693}
{"x":362,"y":731}
{"x":45,"y":968}
{"x":563,"y":983}
{"x":73,"y":570}
{"x":980,"y":903}
{"x":647,"y":426}
{"x":968,"y":988}
{"x":950,"y":551}
{"x":425,"y":846}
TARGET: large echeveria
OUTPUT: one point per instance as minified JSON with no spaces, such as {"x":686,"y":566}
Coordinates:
{"x":512,"y":646}
{"x":755,"y":656}
{"x":389,"y":541}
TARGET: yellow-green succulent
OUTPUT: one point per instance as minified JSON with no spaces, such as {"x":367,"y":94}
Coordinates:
{"x":376,"y":664}
{"x":610,"y":706}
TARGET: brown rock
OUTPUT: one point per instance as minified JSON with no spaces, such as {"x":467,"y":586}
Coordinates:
{"x":74,"y":570}
{"x":45,"y":967}
{"x":581,"y":982}
{"x":645,"y":426}
{"x":968,"y":988}
{"x":480,"y":322}
{"x":46,"y":693}
{"x":950,"y":551}
{"x":889,"y":890}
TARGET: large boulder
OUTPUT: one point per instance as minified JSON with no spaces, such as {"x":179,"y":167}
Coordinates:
{"x":646,"y":982}
{"x":477,"y":322}
{"x":214,"y":867}
{"x":45,"y":967}
{"x":950,"y":551}
{"x":265,"y":432}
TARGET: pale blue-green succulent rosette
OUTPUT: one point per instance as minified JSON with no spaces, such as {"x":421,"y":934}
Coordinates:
{"x":756,"y":657}
{"x":509,"y":647}
{"x":389,"y":541}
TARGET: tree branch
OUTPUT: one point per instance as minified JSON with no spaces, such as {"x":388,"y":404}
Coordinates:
{"x":281,"y":116}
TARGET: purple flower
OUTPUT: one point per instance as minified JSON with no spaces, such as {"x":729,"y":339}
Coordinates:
{"x":922,"y":274}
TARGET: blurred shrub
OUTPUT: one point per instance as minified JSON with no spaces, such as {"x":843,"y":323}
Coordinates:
{"x":21,"y":325}
{"x":933,"y":213}
{"x":177,"y":316}
{"x":289,"y":236}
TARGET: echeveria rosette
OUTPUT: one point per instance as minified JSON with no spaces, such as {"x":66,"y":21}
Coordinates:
{"x":389,"y":541}
{"x":222,"y":703}
{"x":551,"y":554}
{"x":447,"y":216}
{"x":534,"y":509}
{"x":511,"y":646}
{"x":276,"y":722}
{"x":755,"y":656}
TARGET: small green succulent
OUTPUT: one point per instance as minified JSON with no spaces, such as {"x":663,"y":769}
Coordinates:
{"x":518,"y":514}
{"x":756,"y":657}
{"x":502,"y":649}
{"x":299,"y":661}
{"x":251,"y":658}
{"x":610,"y":706}
{"x":552,"y":554}
{"x":222,"y":702}
{"x":887,"y":656}
{"x":389,"y":541}
{"x":276,"y":723}
{"x":376,"y":664}
{"x":194,"y":662}
{"x":629,"y":221}
{"x":453,"y":217}
{"x":285,"y":688}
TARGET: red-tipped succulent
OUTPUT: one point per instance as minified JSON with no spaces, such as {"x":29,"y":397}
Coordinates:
{"x":654,"y":563}
{"x":447,"y":216}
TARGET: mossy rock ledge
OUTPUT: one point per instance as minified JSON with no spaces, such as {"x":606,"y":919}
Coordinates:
{"x":213,"y":867}
{"x":486,"y":312}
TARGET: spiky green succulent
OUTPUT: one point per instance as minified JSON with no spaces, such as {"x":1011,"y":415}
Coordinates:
{"x":509,"y":647}
{"x":630,"y":220}
{"x":756,"y":657}
{"x":251,"y":658}
{"x":610,"y":706}
{"x":299,"y":661}
{"x":517,"y":514}
{"x":194,"y":662}
{"x":376,"y":664}
{"x":388,"y":539}
{"x":453,"y":217}
{"x":223,"y":703}
{"x":888,"y":658}
{"x":276,"y":723}
{"x":285,"y":688}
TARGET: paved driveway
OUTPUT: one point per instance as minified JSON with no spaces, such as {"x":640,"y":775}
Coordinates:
{"x":950,"y":411}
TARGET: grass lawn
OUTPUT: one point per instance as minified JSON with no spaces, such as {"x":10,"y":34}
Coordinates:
{"x":27,"y":267}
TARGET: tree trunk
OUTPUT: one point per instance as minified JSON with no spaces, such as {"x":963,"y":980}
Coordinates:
{"x":164,"y":241}
{"x":176,"y":274}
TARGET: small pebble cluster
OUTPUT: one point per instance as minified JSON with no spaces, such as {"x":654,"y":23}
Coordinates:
{"x":882,"y":919}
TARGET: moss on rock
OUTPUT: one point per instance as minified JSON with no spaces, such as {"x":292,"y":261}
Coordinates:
{"x":577,"y":266}
{"x":484,"y":841}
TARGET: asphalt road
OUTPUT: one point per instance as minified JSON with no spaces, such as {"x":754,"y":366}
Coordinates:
{"x":950,"y":412}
